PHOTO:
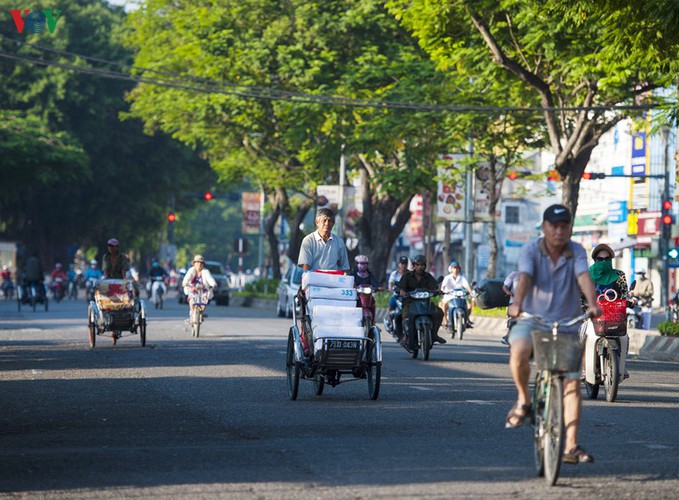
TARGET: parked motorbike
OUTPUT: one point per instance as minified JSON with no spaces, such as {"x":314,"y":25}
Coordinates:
{"x":58,"y":289}
{"x":606,"y":344}
{"x":633,"y":313}
{"x":156,"y":287}
{"x":420,"y":328}
{"x":457,"y":312}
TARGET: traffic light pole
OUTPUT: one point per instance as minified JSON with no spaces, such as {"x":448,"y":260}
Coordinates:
{"x":664,"y":245}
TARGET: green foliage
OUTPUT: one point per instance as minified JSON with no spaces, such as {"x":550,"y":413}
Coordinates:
{"x":669,"y":328}
{"x":499,"y":312}
{"x":263,"y":288}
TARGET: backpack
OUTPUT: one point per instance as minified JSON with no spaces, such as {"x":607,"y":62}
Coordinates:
{"x":491,"y":295}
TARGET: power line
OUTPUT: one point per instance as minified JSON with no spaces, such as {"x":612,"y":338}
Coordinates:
{"x":210,"y":86}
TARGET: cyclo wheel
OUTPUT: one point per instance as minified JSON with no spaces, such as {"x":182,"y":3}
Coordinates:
{"x":611,"y":368}
{"x":292,"y":368}
{"x":425,"y":341}
{"x":538,"y":421}
{"x":373,"y":373}
{"x":319,"y":384}
{"x":92,"y":328}
{"x":554,"y":430}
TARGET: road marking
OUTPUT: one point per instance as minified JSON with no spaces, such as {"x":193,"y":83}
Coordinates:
{"x":479,"y":402}
{"x":420,"y":388}
{"x":657,"y":446}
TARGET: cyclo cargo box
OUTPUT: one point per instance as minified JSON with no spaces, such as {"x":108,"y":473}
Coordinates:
{"x":561,"y":355}
{"x":113,"y":295}
{"x":324,"y":279}
{"x":491,"y":295}
{"x":613,"y":321}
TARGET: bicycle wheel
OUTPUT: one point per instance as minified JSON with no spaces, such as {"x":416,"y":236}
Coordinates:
{"x":374,"y":374}
{"x":611,"y":368}
{"x":554,"y":430}
{"x":425,"y":341}
{"x":196,"y":319}
{"x":538,"y":421}
{"x":292,"y":368}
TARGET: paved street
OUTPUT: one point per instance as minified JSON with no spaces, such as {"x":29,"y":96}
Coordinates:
{"x":210,"y":418}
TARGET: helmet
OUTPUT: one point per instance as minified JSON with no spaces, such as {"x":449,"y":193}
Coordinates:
{"x":641,"y":271}
{"x":112,"y":242}
{"x":361,"y":259}
{"x":198,"y":258}
{"x":57,"y":265}
{"x":93,"y":262}
{"x":403,"y":260}
{"x":454,"y":264}
{"x":420,"y":259}
{"x":4,"y":268}
{"x":155,"y":264}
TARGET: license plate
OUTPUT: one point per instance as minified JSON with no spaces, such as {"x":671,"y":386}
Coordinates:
{"x":343,"y":344}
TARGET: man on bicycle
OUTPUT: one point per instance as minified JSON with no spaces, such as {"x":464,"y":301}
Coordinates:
{"x":553,"y":272}
{"x":322,"y":249}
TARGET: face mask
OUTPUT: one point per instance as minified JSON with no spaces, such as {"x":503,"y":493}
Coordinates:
{"x":602,"y":272}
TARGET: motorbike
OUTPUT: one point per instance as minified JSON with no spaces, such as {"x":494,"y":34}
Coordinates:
{"x":394,"y":317}
{"x":367,"y":303}
{"x":156,"y":288}
{"x":7,"y":288}
{"x":457,"y":312}
{"x":633,"y":311}
{"x":421,"y":312}
{"x":58,"y":289}
{"x":606,"y":344}
{"x":674,"y":309}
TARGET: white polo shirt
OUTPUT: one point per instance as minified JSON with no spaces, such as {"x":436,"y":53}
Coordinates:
{"x":321,"y":254}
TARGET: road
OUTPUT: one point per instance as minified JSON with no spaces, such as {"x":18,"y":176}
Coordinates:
{"x":210,"y":418}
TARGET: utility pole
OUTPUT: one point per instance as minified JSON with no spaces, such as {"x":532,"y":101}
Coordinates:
{"x":260,"y":257}
{"x":664,"y":245}
{"x":339,"y":217}
{"x":469,"y":219}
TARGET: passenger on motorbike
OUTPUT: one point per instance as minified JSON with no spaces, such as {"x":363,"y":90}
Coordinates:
{"x":394,"y":278}
{"x":454,"y":281}
{"x":195,"y":276}
{"x":412,"y":280}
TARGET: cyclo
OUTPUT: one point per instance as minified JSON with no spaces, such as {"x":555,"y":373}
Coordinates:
{"x":115,"y":309}
{"x":328,"y":338}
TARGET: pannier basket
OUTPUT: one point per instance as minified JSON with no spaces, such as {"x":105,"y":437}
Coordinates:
{"x":563,"y":354}
{"x":613,"y":321}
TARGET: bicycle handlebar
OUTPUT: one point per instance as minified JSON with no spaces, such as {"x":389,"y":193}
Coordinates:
{"x":564,"y":322}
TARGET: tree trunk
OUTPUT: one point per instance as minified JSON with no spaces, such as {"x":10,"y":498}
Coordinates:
{"x":270,"y":231}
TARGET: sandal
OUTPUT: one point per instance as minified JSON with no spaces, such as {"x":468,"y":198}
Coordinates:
{"x":519,"y":418}
{"x":577,"y":455}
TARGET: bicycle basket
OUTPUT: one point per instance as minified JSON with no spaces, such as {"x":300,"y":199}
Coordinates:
{"x":613,"y":321}
{"x":563,"y":354}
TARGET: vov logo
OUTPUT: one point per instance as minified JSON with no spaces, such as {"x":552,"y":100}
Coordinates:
{"x":35,"y":21}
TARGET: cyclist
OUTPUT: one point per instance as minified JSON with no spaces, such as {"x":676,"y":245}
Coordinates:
{"x":453,"y":281}
{"x":553,"y":273}
{"x":197,"y":275}
{"x":412,"y":280}
{"x":322,"y":249}
{"x":114,"y":264}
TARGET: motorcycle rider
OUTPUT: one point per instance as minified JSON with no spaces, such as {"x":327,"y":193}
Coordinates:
{"x":56,"y":273}
{"x":6,"y":277}
{"x":606,"y":278}
{"x":412,"y":280}
{"x":362,"y":275}
{"x":643,"y":290}
{"x":453,"y":281}
{"x":91,"y":275}
{"x":156,"y":271}
{"x":197,"y":275}
{"x":394,"y":278}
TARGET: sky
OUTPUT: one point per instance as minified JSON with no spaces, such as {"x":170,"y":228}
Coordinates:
{"x":128,"y":4}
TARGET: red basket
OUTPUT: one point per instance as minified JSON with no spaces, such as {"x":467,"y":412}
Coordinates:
{"x":613,"y":321}
{"x":328,"y":271}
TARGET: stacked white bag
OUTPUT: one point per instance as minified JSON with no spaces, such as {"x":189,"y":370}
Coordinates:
{"x":331,"y":302}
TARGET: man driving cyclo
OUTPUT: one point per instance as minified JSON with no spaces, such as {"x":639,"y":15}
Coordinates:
{"x":553,"y":273}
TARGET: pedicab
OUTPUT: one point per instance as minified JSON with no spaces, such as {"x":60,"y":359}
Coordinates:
{"x":116,"y":309}
{"x":328,"y":342}
{"x":31,"y":295}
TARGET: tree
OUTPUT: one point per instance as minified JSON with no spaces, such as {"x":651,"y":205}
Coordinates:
{"x":567,"y":57}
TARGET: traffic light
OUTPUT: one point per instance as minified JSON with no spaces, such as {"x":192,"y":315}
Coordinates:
{"x":673,"y":253}
{"x":208,"y":196}
{"x":171,"y":217}
{"x":518,"y":174}
{"x":666,"y":219}
{"x":593,"y":175}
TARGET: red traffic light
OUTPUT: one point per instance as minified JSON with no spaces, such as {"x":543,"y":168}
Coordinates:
{"x":587,"y":176}
{"x":208,"y":196}
{"x":171,"y":217}
{"x":667,"y":205}
{"x":667,"y":220}
{"x":512,"y":175}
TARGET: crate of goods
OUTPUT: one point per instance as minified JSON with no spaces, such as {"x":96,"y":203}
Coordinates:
{"x":327,"y":280}
{"x":322,"y":292}
{"x":337,"y":316}
{"x":113,"y":295}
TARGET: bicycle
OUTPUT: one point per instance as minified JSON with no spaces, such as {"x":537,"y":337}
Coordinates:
{"x":555,"y":355}
{"x":199,"y":299}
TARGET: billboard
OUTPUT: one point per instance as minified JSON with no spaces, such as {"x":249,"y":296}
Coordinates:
{"x":251,"y":215}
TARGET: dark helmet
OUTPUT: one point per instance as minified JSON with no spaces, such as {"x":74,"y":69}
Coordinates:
{"x":420,"y":259}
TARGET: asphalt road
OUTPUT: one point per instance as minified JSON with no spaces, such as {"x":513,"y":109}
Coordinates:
{"x":210,"y":418}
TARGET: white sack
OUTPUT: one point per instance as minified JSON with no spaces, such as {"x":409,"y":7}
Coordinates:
{"x":327,"y":280}
{"x":319,"y":292}
{"x":336,"y":316}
